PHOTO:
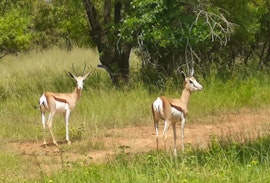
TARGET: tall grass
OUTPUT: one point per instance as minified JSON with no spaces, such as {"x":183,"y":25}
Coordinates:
{"x":102,"y":106}
{"x":227,"y":96}
{"x":24,"y":77}
{"x":221,"y":162}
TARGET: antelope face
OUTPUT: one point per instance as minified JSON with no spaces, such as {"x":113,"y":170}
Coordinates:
{"x":192,"y":84}
{"x":80,"y":79}
{"x":80,"y":82}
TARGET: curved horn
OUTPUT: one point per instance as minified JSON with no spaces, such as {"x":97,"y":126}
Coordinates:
{"x":192,"y":71}
{"x":74,"y":69}
{"x":84,"y":69}
{"x":183,"y":74}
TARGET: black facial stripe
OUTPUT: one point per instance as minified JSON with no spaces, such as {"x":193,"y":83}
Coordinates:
{"x":191,"y":82}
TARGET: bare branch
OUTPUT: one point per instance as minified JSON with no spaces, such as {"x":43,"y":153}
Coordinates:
{"x":180,"y":66}
{"x":144,"y":53}
{"x":190,"y":56}
{"x":220,"y":27}
{"x":105,"y":67}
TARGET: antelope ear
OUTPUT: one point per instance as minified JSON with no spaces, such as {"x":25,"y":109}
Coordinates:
{"x":86,"y":75}
{"x":71,"y":75}
{"x":183,"y":74}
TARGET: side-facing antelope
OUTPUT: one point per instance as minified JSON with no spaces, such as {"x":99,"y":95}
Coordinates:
{"x":61,"y":103}
{"x":173,"y":110}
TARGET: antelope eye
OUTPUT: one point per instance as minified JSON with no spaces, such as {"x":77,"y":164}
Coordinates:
{"x":190,"y":82}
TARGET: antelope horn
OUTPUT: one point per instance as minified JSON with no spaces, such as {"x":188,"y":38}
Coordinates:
{"x":74,"y":69}
{"x":183,"y":74}
{"x":84,"y":69}
{"x":192,"y":71}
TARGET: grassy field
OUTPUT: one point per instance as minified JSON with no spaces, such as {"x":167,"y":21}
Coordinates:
{"x":25,"y":77}
{"x":230,"y":163}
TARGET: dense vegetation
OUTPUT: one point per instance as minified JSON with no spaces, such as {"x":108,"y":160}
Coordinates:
{"x":202,"y":33}
{"x":143,"y":43}
{"x":103,"y":106}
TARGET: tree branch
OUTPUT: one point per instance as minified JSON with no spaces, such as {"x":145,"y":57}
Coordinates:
{"x":96,"y":28}
{"x":220,"y":27}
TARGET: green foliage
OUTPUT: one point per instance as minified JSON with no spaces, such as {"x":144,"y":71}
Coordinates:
{"x":61,"y":23}
{"x":149,"y":21}
{"x":14,"y":31}
{"x":174,"y":32}
{"x":32,"y":24}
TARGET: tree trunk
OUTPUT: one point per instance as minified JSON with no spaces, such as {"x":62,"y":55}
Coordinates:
{"x":114,"y":55}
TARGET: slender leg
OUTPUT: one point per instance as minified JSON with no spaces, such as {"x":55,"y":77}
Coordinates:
{"x":182,"y":132}
{"x":166,"y":127}
{"x":156,"y":128}
{"x":50,"y":120}
{"x":43,"y":119}
{"x":67,"y":114}
{"x":174,"y":137}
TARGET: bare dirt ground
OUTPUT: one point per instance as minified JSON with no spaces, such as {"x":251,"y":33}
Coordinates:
{"x":245,"y":124}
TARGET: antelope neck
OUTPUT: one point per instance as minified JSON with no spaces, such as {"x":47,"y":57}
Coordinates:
{"x":78,"y":93}
{"x":185,"y":96}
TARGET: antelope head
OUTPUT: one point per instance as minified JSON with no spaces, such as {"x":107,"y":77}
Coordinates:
{"x":81,"y":78}
{"x":191,"y":83}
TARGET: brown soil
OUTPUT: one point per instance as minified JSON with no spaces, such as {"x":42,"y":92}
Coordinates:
{"x":245,"y":124}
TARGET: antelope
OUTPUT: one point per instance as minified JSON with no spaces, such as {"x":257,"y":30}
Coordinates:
{"x":61,"y":103}
{"x":173,"y":110}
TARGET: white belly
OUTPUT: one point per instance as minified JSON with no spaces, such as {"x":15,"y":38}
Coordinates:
{"x":61,"y":107}
{"x":176,"y":114}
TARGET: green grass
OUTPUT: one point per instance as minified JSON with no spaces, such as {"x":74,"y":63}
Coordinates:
{"x":221,"y":162}
{"x":9,"y":167}
{"x":102,"y":106}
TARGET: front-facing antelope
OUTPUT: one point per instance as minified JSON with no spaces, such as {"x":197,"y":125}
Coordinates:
{"x":61,"y":103}
{"x":173,"y":110}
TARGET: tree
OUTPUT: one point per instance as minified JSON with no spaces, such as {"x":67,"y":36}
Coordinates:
{"x":60,"y":21}
{"x":263,"y":34}
{"x":14,"y":28}
{"x":246,"y":15}
{"x":176,"y":32}
{"x":104,"y":31}
{"x":167,"y":34}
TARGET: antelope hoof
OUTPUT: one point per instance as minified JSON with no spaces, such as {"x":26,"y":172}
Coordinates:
{"x":44,"y":144}
{"x":55,"y":143}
